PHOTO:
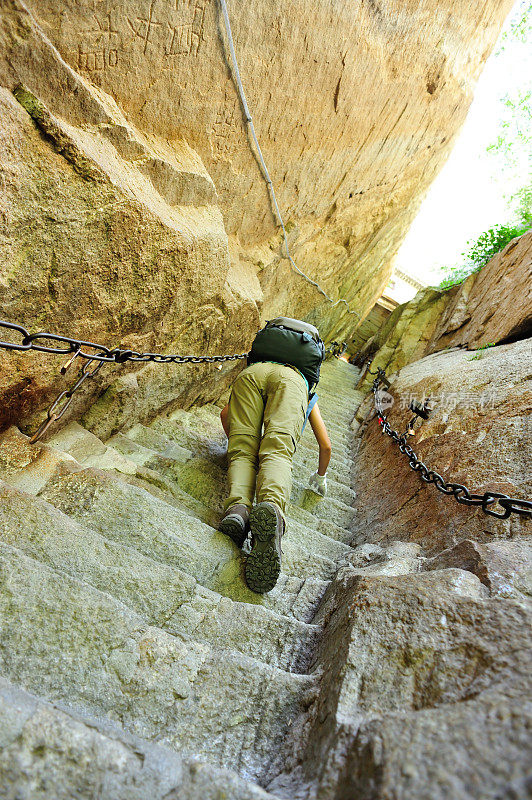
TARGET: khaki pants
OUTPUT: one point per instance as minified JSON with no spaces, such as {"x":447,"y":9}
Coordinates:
{"x":275,"y":396}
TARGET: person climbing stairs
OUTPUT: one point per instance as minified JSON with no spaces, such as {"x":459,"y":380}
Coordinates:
{"x":123,"y":602}
{"x":269,"y":406}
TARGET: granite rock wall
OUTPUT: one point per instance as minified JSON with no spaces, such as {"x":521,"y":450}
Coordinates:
{"x":134,"y":211}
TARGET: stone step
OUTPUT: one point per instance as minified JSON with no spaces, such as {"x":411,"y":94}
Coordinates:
{"x":205,"y":483}
{"x":200,"y":478}
{"x":168,"y":467}
{"x":123,"y":601}
{"x":335,"y":489}
{"x":157,"y":442}
{"x":339,"y":429}
{"x":339,"y":443}
{"x":316,"y":537}
{"x":85,"y":445}
{"x":205,"y":480}
{"x":307,"y":450}
{"x":330,"y":387}
{"x":164,"y":533}
{"x":72,"y":643}
{"x":324,"y":525}
{"x":336,"y":411}
{"x":344,"y":383}
{"x":200,"y":429}
{"x":24,"y":466}
{"x":166,"y":597}
{"x":341,"y":453}
{"x":336,"y":377}
{"x":338,"y":424}
{"x":336,"y":403}
{"x":325,"y":507}
{"x":315,"y":540}
{"x":306,"y":462}
{"x":50,"y":751}
{"x":340,"y":436}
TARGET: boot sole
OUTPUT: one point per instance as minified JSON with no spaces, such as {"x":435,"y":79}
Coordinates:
{"x":263,"y":565}
{"x":231,"y":528}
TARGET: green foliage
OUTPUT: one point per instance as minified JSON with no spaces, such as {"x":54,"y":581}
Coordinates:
{"x":479,"y":350}
{"x":514,"y":141}
{"x":455,"y":275}
{"x":481,"y":251}
{"x":520,"y":29}
{"x":492,"y":242}
{"x":513,"y":145}
{"x":513,"y":149}
{"x":523,"y":197}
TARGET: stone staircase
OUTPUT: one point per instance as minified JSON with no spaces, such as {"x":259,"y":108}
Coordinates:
{"x":126,"y":621}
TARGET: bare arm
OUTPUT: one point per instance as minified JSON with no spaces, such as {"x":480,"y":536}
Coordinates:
{"x":322,"y":437}
{"x":224,"y":416}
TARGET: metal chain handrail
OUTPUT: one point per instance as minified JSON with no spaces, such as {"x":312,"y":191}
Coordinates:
{"x":78,"y":347}
{"x":462,"y":495}
{"x":52,"y":414}
{"x":98,"y":355}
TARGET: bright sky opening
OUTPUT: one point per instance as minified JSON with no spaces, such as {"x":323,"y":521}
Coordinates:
{"x":468,"y":196}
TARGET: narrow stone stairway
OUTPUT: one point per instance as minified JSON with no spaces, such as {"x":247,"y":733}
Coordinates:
{"x":123,"y":606}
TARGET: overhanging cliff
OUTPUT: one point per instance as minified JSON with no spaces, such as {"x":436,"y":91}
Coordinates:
{"x":138,"y":214}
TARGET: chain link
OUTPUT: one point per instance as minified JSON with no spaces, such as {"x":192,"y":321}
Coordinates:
{"x":65,"y":398}
{"x":45,"y":343}
{"x":336,"y":349}
{"x":94,"y":354}
{"x":462,"y":495}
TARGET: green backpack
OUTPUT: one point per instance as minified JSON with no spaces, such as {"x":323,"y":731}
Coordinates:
{"x":290,"y":341}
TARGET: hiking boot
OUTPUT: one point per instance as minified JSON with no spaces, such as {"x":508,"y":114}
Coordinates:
{"x":263,"y":565}
{"x":235,"y":524}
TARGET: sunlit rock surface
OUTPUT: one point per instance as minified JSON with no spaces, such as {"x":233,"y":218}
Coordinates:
{"x":434,"y":690}
{"x":479,"y":434}
{"x":392,"y":659}
{"x":134,"y":211}
{"x":490,"y":307}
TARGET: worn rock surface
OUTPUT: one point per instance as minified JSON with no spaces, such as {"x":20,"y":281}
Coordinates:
{"x":479,"y":435}
{"x":424,"y":692}
{"x":133,"y":657}
{"x":493,"y":306}
{"x":133,"y":208}
{"x":120,"y":601}
{"x":392,"y":659}
{"x":51,"y":751}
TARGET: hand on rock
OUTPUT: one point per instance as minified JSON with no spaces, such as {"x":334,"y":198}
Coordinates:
{"x":318,"y":484}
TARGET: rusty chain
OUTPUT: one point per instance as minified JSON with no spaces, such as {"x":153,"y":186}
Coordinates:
{"x":103,"y":355}
{"x":44,"y":342}
{"x":462,"y":495}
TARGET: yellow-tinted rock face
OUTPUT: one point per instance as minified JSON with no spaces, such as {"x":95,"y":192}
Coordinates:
{"x":150,"y":219}
{"x":493,"y":306}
